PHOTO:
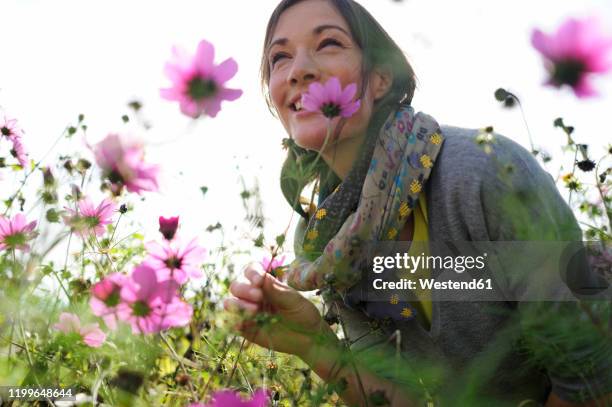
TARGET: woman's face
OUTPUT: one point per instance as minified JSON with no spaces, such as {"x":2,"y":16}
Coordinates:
{"x":312,"y":43}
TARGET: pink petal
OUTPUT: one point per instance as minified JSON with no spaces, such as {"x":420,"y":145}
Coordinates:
{"x":166,"y":291}
{"x":68,"y":323}
{"x":190,"y":108}
{"x":540,"y":42}
{"x":157,"y":250}
{"x":350,"y":109}
{"x":93,"y":335}
{"x":170,"y":94}
{"x":347,"y":94}
{"x":225,"y":71}
{"x":177,"y":313}
{"x":310,"y":103}
{"x":204,"y":57}
{"x":5,"y":226}
{"x":174,"y":72}
{"x":212,"y":106}
{"x":29,"y":227}
{"x":260,"y":399}
{"x":226,"y":398}
{"x":230,"y":94}
{"x":145,"y":277}
{"x":18,"y":223}
{"x":317,"y":92}
{"x":333,"y":89}
{"x":584,"y":88}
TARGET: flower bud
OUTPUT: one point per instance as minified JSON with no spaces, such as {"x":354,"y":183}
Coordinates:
{"x":168,"y":226}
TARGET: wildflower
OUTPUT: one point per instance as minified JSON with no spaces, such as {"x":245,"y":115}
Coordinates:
{"x":586,"y":165}
{"x":574,"y":185}
{"x":90,"y":334}
{"x":9,"y":129}
{"x":89,"y":219}
{"x":568,"y":177}
{"x":122,"y":164}
{"x":197,"y":83}
{"x":18,"y":151}
{"x":230,"y":398}
{"x":15,"y":233}
{"x":271,"y":264}
{"x":574,"y":53}
{"x":150,"y":305}
{"x":173,"y":260}
{"x":168,"y":226}
{"x":330,"y":99}
{"x":105,"y":298}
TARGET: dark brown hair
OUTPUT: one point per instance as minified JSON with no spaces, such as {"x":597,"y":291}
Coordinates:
{"x":378,"y":50}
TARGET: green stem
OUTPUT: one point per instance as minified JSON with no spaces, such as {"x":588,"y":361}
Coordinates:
{"x":180,"y":362}
{"x":231,"y":376}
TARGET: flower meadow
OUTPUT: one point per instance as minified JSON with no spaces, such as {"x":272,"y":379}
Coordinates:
{"x":130,"y":320}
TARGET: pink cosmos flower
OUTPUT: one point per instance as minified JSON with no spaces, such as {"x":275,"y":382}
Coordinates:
{"x":150,"y":305}
{"x":197,"y":83}
{"x":173,"y":260}
{"x":15,"y":233}
{"x":90,"y":219}
{"x":230,"y":398}
{"x":168,"y":226}
{"x":122,"y":164}
{"x":105,"y":298}
{"x":18,"y":151}
{"x":90,"y":334}
{"x":270,"y":265}
{"x":9,"y":129}
{"x":330,"y":99}
{"x":574,"y":53}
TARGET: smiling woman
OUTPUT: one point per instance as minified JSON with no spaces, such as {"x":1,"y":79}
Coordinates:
{"x":390,"y":173}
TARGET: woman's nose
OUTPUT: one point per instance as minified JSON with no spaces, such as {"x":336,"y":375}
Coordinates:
{"x":304,"y":70}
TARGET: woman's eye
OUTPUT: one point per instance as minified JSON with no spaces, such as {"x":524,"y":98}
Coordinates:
{"x":276,"y":57}
{"x":329,"y":41}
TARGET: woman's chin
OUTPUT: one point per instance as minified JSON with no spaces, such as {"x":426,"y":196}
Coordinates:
{"x":310,"y":139}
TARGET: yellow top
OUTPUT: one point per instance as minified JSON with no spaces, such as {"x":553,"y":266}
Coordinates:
{"x":419,"y":247}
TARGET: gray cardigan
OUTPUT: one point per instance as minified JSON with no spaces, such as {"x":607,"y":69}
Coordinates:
{"x":466,"y":202}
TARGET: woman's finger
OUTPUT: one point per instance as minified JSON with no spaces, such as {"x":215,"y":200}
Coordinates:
{"x":246,"y":291}
{"x":255,"y":274}
{"x":237,"y":305}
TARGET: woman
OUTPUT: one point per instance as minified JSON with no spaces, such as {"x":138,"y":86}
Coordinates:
{"x":390,"y":174}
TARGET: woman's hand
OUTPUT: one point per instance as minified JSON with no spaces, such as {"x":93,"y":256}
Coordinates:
{"x":296,"y":324}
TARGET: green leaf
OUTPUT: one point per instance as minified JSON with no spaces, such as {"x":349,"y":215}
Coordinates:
{"x":204,"y":190}
{"x":280,"y":239}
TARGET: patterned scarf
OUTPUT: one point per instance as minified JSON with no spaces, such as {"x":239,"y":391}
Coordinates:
{"x":371,"y":204}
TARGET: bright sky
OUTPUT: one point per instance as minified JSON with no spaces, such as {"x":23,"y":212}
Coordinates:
{"x":64,"y":57}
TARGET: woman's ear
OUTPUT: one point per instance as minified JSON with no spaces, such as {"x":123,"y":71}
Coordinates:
{"x":381,"y":81}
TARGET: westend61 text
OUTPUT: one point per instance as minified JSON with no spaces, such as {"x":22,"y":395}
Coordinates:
{"x":430,"y":283}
